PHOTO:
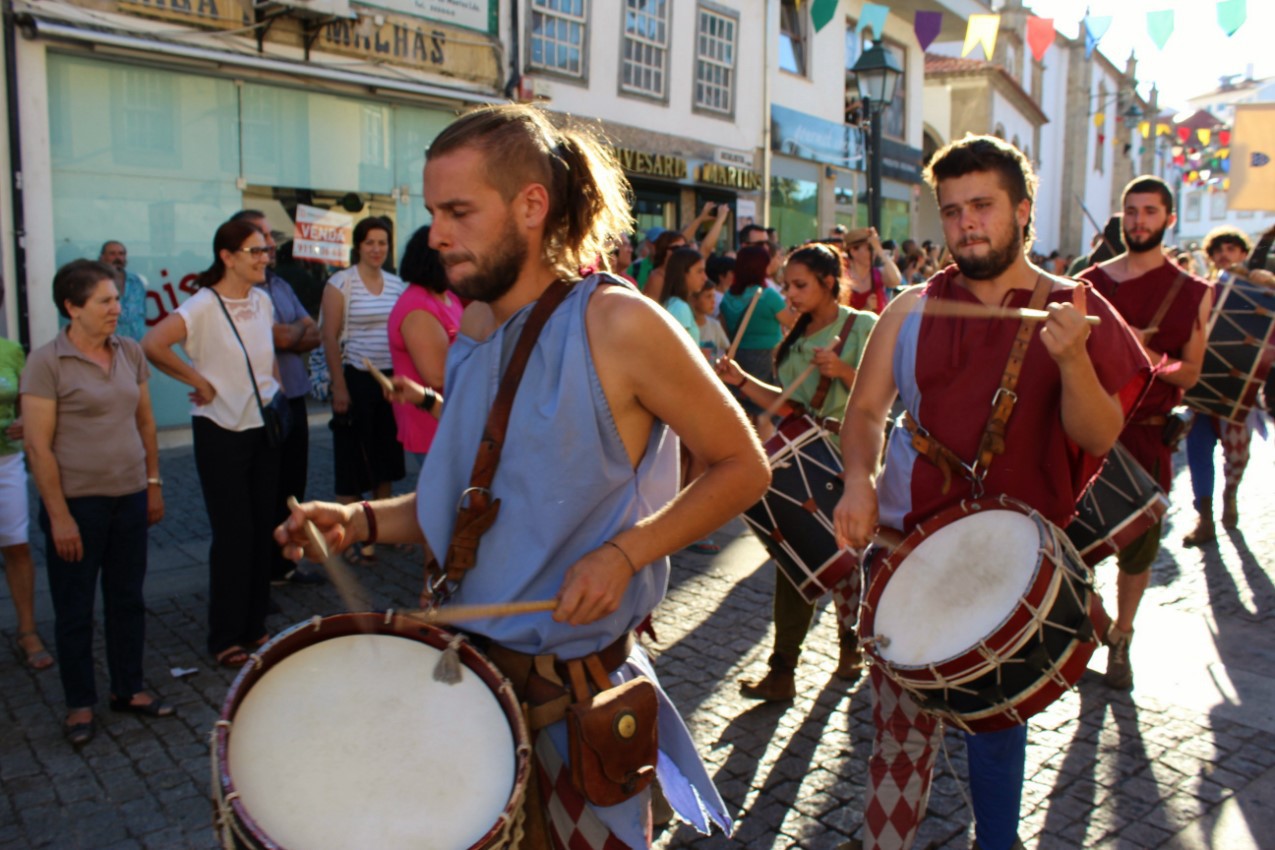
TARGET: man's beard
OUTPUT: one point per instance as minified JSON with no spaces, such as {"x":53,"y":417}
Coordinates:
{"x":493,"y":275}
{"x":1151,"y":243}
{"x":997,"y":261}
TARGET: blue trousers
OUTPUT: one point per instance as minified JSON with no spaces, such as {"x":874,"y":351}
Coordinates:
{"x":113,"y":533}
{"x":997,"y":762}
{"x":1201,"y":441}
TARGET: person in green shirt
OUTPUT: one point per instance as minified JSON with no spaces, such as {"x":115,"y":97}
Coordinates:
{"x":813,"y":277}
{"x":763,"y":332}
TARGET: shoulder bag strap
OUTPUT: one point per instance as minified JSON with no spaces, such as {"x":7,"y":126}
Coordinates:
{"x":261,"y":408}
{"x":477,"y":510}
{"x":825,"y":382}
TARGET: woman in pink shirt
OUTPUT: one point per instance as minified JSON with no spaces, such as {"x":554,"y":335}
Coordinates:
{"x":422,"y":326}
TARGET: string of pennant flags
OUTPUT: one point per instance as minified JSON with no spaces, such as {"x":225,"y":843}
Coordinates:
{"x":982,"y":29}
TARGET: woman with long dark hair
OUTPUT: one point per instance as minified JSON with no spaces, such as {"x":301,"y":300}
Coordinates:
{"x":355,"y":328}
{"x":684,"y":277}
{"x":226,"y":329}
{"x":813,"y":276}
{"x":422,"y":326}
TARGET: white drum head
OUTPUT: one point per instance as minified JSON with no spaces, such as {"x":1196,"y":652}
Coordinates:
{"x":957,"y":586}
{"x":351,"y":743}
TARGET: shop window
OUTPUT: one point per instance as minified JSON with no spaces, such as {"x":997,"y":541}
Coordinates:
{"x":715,"y":61}
{"x":143,"y":122}
{"x":794,"y":210}
{"x":894,"y":118}
{"x":558,"y":32}
{"x":645,"y":60}
{"x":794,"y":29}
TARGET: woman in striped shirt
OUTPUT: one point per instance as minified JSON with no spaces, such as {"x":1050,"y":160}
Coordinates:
{"x":356,"y":309}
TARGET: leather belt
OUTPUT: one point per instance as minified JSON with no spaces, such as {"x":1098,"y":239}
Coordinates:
{"x":540,"y":680}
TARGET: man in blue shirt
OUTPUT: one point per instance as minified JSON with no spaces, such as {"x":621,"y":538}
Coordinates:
{"x":132,"y":322}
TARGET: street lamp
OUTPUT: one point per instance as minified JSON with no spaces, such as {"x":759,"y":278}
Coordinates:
{"x":877,"y":74}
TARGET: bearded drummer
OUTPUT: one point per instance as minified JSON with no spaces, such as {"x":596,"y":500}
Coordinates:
{"x":1168,"y":308}
{"x":587,"y":480}
{"x":1077,"y":383}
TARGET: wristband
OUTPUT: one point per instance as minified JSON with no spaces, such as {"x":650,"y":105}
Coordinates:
{"x":623,"y":554}
{"x":157,"y":481}
{"x":427,"y":403}
{"x":370,"y":515}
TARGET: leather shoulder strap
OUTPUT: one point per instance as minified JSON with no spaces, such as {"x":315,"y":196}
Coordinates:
{"x":477,"y":510}
{"x":1169,"y":298}
{"x":825,"y":382}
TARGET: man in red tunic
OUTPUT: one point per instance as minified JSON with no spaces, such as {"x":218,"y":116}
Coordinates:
{"x":1169,"y":309}
{"x":1077,"y":385}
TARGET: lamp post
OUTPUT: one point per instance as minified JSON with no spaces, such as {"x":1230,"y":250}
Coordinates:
{"x":877,"y":74}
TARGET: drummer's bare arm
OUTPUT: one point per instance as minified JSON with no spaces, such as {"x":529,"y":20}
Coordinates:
{"x":344,"y":525}
{"x":650,"y":370}
{"x":758,"y":392}
{"x":863,"y":425}
{"x":1185,"y":373}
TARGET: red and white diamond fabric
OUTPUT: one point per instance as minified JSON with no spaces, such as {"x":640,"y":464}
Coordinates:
{"x":900,"y":768}
{"x":845,"y":599}
{"x":1235,"y":446}
{"x":572,"y":823}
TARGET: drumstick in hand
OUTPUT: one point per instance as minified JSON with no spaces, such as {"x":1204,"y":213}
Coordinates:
{"x":352,"y":594}
{"x":461,"y":613}
{"x":386,"y":383}
{"x":743,"y":324}
{"x":967,"y":309}
{"x":796,"y":384}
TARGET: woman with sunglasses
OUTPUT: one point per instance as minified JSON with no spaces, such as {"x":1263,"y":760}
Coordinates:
{"x":813,"y":280}
{"x":224,"y":327}
{"x":869,"y":283}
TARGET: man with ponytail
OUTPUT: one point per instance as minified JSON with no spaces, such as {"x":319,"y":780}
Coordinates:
{"x":587,"y":477}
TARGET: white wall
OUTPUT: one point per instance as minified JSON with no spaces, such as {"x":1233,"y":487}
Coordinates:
{"x":1050,"y":203}
{"x":599,"y":96}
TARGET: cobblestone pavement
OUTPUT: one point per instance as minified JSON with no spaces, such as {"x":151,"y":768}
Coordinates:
{"x":1187,"y":760}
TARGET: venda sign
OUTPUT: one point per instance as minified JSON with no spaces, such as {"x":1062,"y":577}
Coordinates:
{"x":323,"y":236}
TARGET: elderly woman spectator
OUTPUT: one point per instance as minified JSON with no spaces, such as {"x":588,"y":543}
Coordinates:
{"x":355,"y":328}
{"x":90,"y":437}
{"x":15,"y":546}
{"x":422,"y":326}
{"x":226,"y":328}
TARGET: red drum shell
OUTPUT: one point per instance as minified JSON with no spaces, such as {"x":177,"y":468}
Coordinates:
{"x":1123,"y":502}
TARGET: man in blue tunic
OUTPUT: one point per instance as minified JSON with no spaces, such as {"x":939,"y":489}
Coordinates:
{"x":588,"y":474}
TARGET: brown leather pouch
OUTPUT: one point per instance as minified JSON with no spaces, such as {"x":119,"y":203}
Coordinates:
{"x":611,"y":734}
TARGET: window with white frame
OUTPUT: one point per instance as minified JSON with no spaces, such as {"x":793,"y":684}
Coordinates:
{"x":643,"y":67}
{"x":1191,"y":207}
{"x":715,"y":61}
{"x":558,"y":31}
{"x":1217,"y":204}
{"x":793,"y":18}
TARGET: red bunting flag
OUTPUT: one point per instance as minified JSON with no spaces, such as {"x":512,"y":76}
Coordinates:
{"x":1040,"y":35}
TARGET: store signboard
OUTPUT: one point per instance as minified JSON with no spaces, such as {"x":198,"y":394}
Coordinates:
{"x":811,"y":137}
{"x":219,"y":14}
{"x":403,"y":40}
{"x":323,"y":236}
{"x":478,"y":15}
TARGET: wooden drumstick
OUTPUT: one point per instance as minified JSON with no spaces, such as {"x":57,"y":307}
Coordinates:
{"x":795,"y":384}
{"x":461,"y":613}
{"x":743,"y":325}
{"x":386,"y":383}
{"x":966,"y":309}
{"x":352,"y":594}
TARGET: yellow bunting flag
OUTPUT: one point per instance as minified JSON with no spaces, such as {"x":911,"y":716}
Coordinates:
{"x":1253,"y":158}
{"x":1144,"y":127}
{"x":1163,"y":130}
{"x":1204,"y":135}
{"x":982,"y":29}
{"x":1099,"y":119}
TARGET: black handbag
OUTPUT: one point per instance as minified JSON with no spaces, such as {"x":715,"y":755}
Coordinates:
{"x":275,"y":416}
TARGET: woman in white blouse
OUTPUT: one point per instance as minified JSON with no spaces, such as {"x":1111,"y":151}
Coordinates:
{"x":238,"y":468}
{"x":355,"y":327}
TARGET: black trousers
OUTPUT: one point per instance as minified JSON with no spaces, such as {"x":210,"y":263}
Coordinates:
{"x":293,"y":472}
{"x":239,"y":476}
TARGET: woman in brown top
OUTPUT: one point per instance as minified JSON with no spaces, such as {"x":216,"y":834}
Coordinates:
{"x":90,"y":439}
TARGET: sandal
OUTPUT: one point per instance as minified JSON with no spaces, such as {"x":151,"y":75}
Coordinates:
{"x":154,"y":707}
{"x":232,"y":656}
{"x":79,"y":734}
{"x":38,"y":659}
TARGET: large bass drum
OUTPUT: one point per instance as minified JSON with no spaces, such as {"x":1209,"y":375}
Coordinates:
{"x":336,"y":736}
{"x":1240,"y":351}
